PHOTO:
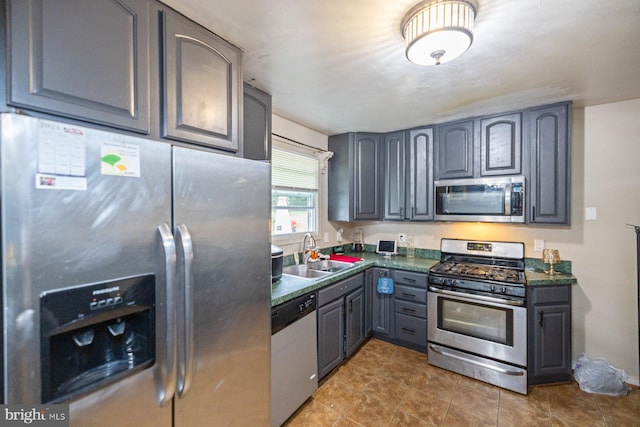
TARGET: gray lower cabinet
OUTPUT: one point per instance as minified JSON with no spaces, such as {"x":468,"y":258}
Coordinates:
{"x":341,"y":322}
{"x":82,"y":60}
{"x":419,"y":176}
{"x":549,"y":334}
{"x":548,"y":133}
{"x":454,"y":150}
{"x":202,"y":85}
{"x":256,"y":124}
{"x":369,"y":290}
{"x":394,"y":176}
{"x":410,"y":309}
{"x":355,"y":177}
{"x":330,"y":336}
{"x":382,"y":320}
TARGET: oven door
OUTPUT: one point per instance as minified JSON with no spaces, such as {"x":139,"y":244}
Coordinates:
{"x":486,"y":326}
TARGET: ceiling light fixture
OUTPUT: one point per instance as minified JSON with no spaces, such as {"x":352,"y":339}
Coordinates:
{"x":438,"y":31}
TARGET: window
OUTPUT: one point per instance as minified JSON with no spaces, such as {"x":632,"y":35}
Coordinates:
{"x":294,"y":193}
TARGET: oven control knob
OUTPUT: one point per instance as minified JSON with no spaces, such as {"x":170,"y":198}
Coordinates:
{"x":503,"y":289}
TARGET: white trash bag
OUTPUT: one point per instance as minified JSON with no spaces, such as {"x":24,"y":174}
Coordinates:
{"x":598,"y":376}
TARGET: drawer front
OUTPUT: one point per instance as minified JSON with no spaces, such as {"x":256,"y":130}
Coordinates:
{"x":409,"y":293}
{"x":551,"y":294}
{"x":410,"y":278}
{"x":411,"y":308}
{"x":411,"y":329}
{"x":328,"y":294}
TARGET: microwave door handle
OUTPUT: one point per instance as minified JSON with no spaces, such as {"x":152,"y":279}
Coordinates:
{"x":507,"y":199}
{"x":168,"y":367}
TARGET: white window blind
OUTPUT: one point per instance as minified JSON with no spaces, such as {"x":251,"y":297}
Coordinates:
{"x":294,"y":171}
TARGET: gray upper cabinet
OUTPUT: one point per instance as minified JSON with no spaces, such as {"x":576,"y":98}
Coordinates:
{"x":501,"y":145}
{"x":454,"y":150}
{"x":548,"y":136}
{"x":82,"y":60}
{"x":355,"y":177}
{"x":256,"y":123}
{"x":394,"y":176}
{"x":202,"y":85}
{"x":419,"y":179}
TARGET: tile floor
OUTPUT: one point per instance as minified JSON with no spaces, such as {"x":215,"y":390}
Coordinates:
{"x":386,"y":385}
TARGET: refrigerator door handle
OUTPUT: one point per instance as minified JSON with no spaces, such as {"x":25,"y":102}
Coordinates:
{"x":168,"y":369}
{"x":185,"y":363}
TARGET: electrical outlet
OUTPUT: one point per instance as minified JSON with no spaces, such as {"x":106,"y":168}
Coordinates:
{"x":326,"y":237}
{"x":538,"y":245}
{"x":402,"y":237}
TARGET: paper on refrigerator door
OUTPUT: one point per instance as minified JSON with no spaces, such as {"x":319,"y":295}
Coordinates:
{"x":120,"y":159}
{"x":61,"y":157}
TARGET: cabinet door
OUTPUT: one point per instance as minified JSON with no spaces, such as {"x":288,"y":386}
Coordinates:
{"x":256,"y":138}
{"x":551,"y":341}
{"x":83,"y":60}
{"x":368,"y":300}
{"x":354,"y":306}
{"x":420,"y":175}
{"x":454,"y":150}
{"x":367,"y":176}
{"x":394,"y":176}
{"x":501,"y":145}
{"x":549,"y":184}
{"x":382,"y":321}
{"x":202,"y":85}
{"x":330,"y":336}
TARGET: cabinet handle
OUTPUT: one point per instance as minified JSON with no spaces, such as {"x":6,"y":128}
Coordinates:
{"x":540,"y":317}
{"x":404,"y":294}
{"x":402,"y":212}
{"x":407,"y":279}
{"x":410,"y":310}
{"x":533,"y":208}
{"x":350,"y":306}
{"x":411,"y":331}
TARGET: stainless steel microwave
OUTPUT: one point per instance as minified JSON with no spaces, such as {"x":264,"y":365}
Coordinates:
{"x":495,"y":199}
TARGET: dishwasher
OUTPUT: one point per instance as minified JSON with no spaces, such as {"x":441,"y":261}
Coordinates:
{"x":294,"y":356}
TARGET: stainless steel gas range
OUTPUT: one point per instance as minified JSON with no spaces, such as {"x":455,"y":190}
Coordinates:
{"x":477,"y":315}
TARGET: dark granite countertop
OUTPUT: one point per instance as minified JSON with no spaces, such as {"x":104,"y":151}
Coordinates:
{"x":290,"y":287}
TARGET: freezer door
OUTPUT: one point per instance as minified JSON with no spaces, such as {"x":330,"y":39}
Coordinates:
{"x":83,"y":220}
{"x":222,"y":204}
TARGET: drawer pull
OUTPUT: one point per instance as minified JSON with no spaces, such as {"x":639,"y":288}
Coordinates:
{"x":409,"y":279}
{"x":404,"y":294}
{"x":410,"y":310}
{"x":407,"y":330}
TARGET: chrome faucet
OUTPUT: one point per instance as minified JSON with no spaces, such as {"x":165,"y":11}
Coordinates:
{"x":307,"y":248}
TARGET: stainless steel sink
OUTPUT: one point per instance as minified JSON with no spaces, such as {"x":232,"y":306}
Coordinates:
{"x":329,"y":265}
{"x":316,"y":270}
{"x":301,"y":270}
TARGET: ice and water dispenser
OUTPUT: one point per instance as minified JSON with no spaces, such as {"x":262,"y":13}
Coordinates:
{"x":95,"y":335}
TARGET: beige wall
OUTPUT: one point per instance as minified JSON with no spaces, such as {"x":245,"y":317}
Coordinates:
{"x":605,"y":175}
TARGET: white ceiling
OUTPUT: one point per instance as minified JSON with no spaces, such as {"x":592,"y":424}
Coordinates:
{"x":338,"y":66}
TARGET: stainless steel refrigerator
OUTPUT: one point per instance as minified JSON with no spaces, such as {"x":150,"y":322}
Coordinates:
{"x":85,"y":213}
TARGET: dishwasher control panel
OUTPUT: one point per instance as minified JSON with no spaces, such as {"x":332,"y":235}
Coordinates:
{"x":286,"y":313}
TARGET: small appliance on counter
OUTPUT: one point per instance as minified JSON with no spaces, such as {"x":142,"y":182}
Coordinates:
{"x":358,"y":241}
{"x":277,"y":256}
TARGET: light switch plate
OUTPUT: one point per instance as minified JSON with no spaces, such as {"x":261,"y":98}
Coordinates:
{"x":538,"y":245}
{"x":591,"y":214}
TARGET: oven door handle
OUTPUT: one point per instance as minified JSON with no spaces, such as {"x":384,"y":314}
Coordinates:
{"x":476,"y":297}
{"x":444,"y":353}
